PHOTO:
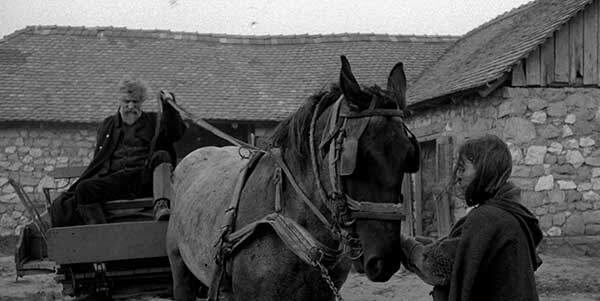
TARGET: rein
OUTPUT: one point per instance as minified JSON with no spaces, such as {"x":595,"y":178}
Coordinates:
{"x":209,"y":127}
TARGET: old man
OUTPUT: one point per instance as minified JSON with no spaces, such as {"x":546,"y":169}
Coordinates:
{"x":133,"y":149}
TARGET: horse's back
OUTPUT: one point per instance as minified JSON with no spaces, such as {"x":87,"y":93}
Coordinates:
{"x":204,"y":182}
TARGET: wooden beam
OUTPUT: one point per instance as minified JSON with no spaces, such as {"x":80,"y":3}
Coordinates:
{"x":494,"y":85}
{"x":445,"y":156}
{"x":106,"y":242}
{"x":547,"y":62}
{"x":576,"y":42}
{"x":532,"y":69}
{"x":418,"y":211}
{"x":129,"y":204}
{"x":518,"y":75}
{"x":596,"y":6}
{"x":408,"y":223}
{"x":562,"y":57}
{"x":590,"y":45}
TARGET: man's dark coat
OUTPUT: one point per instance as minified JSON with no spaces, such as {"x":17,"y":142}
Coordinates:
{"x":63,"y":210}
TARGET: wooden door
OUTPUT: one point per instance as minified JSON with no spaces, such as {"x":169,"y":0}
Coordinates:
{"x":427,"y":199}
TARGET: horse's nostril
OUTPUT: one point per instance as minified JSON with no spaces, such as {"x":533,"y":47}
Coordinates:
{"x":375,"y":269}
{"x":379,"y":270}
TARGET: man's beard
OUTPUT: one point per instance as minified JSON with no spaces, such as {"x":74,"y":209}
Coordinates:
{"x":130,"y":116}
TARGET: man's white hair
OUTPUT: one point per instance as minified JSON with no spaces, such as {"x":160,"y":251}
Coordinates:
{"x":135,"y":87}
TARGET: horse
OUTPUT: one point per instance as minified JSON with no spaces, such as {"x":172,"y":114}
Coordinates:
{"x":290,"y":222}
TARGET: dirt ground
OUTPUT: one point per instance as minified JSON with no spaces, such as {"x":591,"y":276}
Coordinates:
{"x":559,"y":278}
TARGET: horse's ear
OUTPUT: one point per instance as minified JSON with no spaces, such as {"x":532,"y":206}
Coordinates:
{"x":350,"y":87}
{"x":397,"y":81}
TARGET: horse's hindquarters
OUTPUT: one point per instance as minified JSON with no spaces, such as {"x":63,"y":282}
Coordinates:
{"x":203,"y":181}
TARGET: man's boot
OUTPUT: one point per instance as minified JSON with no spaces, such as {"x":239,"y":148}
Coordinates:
{"x":92,"y":213}
{"x":163,"y":191}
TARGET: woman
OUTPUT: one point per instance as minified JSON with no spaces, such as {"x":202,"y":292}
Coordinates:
{"x":490,"y":254}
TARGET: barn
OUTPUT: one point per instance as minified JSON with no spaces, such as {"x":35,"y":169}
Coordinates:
{"x":60,"y":82}
{"x":530,"y":76}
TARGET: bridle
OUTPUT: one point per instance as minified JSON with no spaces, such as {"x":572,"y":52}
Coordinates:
{"x":340,"y":140}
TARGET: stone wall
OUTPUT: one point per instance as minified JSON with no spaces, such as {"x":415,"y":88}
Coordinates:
{"x":554,"y":138}
{"x":29,"y":152}
{"x":553,"y":135}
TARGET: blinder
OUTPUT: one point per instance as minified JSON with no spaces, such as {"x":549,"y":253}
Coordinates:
{"x":340,"y":141}
{"x":343,"y":140}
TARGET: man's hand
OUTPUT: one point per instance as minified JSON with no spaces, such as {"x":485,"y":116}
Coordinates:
{"x":165,"y":96}
{"x":424,"y":240}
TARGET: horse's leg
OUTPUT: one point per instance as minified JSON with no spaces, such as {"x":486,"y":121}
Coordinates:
{"x":185,"y":284}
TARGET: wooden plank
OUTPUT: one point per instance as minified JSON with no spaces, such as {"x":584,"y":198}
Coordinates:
{"x":596,"y":7}
{"x":518,"y":75}
{"x":562,"y":57}
{"x":129,"y":204}
{"x":547,"y":62}
{"x":107,"y":242}
{"x":590,"y":45}
{"x":418,"y":211}
{"x":532,"y":68}
{"x":67,"y":172}
{"x":484,"y":92}
{"x":408,"y":223}
{"x":576,"y":44}
{"x":445,"y":157}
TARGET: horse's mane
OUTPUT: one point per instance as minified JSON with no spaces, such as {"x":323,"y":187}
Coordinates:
{"x":292,"y":134}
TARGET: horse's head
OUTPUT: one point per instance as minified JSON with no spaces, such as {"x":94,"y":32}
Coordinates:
{"x":359,"y":149}
{"x":374,"y":150}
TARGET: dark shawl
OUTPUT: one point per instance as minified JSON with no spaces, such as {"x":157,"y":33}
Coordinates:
{"x":495,"y":256}
{"x":492,"y":250}
{"x":63,"y":209}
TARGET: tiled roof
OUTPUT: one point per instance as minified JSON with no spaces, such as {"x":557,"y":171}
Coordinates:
{"x":487,"y":52}
{"x":50,"y":73}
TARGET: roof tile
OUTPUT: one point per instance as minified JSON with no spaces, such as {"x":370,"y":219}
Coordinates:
{"x":70,"y":74}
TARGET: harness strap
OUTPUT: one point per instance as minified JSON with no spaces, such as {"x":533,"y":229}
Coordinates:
{"x":313,"y":155}
{"x":303,"y":197}
{"x":278,"y":181}
{"x":374,"y":112}
{"x":295,"y":237}
{"x":379,"y":211}
{"x":229,"y":225}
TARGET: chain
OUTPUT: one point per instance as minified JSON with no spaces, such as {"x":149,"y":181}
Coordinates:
{"x":325,"y":275}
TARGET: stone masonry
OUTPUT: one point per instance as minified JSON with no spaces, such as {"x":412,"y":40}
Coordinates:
{"x":29,"y":152}
{"x":553,"y":135}
{"x":554,"y":138}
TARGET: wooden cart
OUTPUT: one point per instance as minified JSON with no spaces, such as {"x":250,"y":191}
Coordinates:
{"x":122,"y":258}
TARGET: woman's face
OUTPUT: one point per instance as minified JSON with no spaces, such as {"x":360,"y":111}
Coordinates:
{"x":465,"y":173}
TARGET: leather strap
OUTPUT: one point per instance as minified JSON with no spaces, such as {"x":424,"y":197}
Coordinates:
{"x":374,"y":112}
{"x":277,"y":155}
